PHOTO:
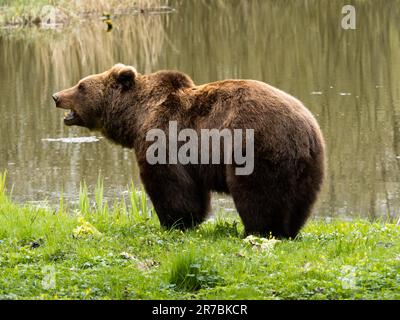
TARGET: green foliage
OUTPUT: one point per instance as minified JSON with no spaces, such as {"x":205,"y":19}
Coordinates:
{"x":190,"y":272}
{"x":3,"y":177}
{"x":119,"y":251}
{"x":101,"y":206}
{"x":84,"y":203}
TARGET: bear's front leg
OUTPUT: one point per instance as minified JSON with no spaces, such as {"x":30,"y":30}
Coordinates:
{"x":179,"y":201}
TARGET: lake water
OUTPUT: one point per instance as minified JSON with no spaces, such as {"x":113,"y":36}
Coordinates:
{"x":350,"y":80}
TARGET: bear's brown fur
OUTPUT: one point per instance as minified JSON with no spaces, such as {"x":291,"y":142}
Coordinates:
{"x":289,"y":148}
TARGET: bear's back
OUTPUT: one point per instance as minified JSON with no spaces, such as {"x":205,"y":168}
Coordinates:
{"x":282,"y":124}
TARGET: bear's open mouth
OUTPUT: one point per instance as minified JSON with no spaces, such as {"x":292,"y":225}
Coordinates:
{"x":72,"y":118}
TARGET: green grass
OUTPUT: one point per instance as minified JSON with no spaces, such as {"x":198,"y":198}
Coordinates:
{"x":119,"y":251}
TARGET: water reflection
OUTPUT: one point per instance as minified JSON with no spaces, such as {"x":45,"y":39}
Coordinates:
{"x":348,"y":78}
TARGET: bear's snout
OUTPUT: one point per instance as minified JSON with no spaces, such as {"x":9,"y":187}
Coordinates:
{"x":55,"y":97}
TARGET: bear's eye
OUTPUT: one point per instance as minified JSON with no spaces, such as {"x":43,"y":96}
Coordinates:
{"x":81,"y":87}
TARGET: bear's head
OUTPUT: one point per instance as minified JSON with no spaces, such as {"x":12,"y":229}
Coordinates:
{"x":88,"y":99}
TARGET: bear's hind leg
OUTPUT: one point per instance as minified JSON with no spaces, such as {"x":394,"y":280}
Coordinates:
{"x":263,"y":202}
{"x":261,"y":215}
{"x":275,"y":199}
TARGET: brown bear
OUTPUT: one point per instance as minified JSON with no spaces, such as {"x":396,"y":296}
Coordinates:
{"x":276,"y":198}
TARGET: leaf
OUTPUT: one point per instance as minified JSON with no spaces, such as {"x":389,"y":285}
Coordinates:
{"x":262,"y":244}
{"x":85,"y":230}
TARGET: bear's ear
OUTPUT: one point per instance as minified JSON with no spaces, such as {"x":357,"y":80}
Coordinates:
{"x":125,"y":76}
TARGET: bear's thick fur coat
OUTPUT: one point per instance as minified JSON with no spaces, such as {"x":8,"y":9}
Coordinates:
{"x":288,"y":145}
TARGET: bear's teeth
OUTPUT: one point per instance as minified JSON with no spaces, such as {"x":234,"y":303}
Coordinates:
{"x":69,"y":115}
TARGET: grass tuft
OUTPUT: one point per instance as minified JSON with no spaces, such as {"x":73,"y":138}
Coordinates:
{"x":3,"y":177}
{"x":189,"y":272}
{"x":84,"y":202}
{"x":101,"y":205}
